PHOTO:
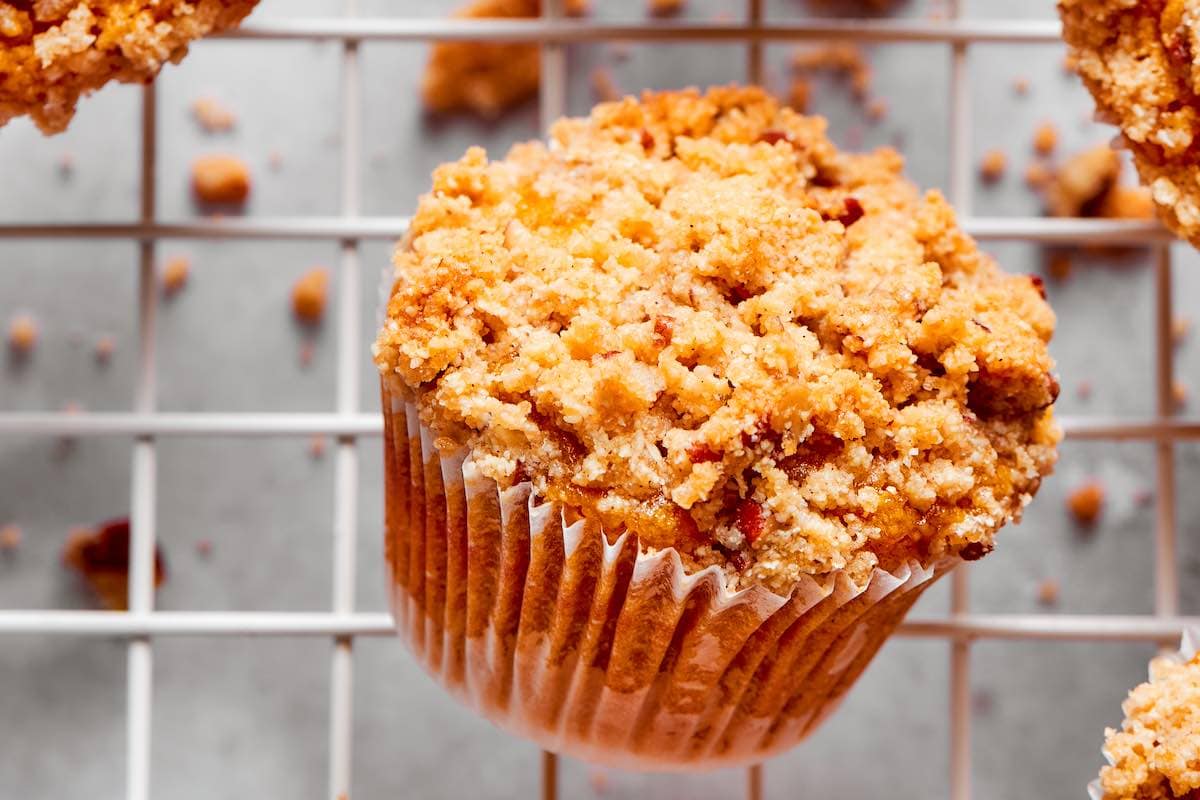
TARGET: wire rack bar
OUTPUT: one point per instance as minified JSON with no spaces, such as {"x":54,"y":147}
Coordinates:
{"x":571,"y":31}
{"x":1040,"y":230}
{"x":1027,"y":627}
{"x":1166,"y":574}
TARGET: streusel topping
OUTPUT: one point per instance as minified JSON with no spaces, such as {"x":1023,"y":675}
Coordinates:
{"x":53,"y":51}
{"x":691,"y":317}
{"x":1139,"y":59}
{"x":1156,"y":754}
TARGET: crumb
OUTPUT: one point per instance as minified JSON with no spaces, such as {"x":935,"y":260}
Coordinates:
{"x":842,"y":60}
{"x":66,"y":165}
{"x":221,"y":180}
{"x":10,"y":538}
{"x":1180,"y":328}
{"x":983,"y":701}
{"x":1080,"y":185}
{"x":664,"y":8}
{"x":1058,"y":265}
{"x":598,"y":780}
{"x":309,"y":295}
{"x":603,"y":86}
{"x":307,"y":350}
{"x":877,"y":109}
{"x":1086,"y":502}
{"x":1179,"y":395}
{"x":1047,"y":593}
{"x":1084,"y":390}
{"x":101,"y":557}
{"x":1037,"y":175}
{"x":1127,"y":202}
{"x":175,"y":273}
{"x":799,"y":93}
{"x":212,"y":115}
{"x":316,"y":446}
{"x":1021,"y":86}
{"x":1045,"y":139}
{"x":22,"y":335}
{"x":105,"y":347}
{"x":1143,"y":497}
{"x":275,"y":160}
{"x":992,"y":165}
{"x":204,"y":547}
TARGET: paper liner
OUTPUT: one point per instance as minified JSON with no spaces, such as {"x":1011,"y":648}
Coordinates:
{"x":591,"y":648}
{"x":1189,"y":644}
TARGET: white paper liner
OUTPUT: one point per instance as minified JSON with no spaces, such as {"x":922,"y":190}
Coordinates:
{"x":1189,"y":644}
{"x":594,"y":649}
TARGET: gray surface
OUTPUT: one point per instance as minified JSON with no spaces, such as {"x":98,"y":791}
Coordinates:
{"x":247,"y":718}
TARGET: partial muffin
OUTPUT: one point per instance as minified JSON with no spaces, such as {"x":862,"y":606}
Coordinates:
{"x":54,"y":51}
{"x":1139,"y":61}
{"x":1156,"y":753}
{"x":691,"y":317}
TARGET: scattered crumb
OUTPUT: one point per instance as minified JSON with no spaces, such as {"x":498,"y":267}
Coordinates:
{"x":1045,"y":138}
{"x":1084,"y":390}
{"x":275,"y":160}
{"x":598,"y":780}
{"x":1021,"y":86}
{"x":10,"y":538}
{"x":101,"y":557}
{"x":664,"y":8}
{"x":1079,"y":186}
{"x":1047,"y":593}
{"x":1037,"y":175}
{"x":1143,"y":497}
{"x":877,"y":109}
{"x":22,"y":335}
{"x":175,"y":274}
{"x":204,"y":547}
{"x":309,"y":295}
{"x":1086,"y":502}
{"x":992,"y":166}
{"x":306,"y":353}
{"x":798,"y":94}
{"x":316,"y":446}
{"x":603,"y":86}
{"x":843,"y":60}
{"x":1058,"y":265}
{"x":105,"y":347}
{"x":66,"y":165}
{"x":1179,"y":395}
{"x":212,"y":115}
{"x":221,"y":179}
{"x":1127,"y":202}
{"x":1180,"y":328}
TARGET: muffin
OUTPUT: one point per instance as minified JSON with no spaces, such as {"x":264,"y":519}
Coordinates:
{"x":53,"y":51}
{"x":1156,"y":753}
{"x":1138,"y":60}
{"x":684,"y":410}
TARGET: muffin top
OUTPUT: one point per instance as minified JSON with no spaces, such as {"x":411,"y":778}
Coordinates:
{"x":1139,"y":59}
{"x":692,"y":318}
{"x":52,"y":51}
{"x":1156,"y":754}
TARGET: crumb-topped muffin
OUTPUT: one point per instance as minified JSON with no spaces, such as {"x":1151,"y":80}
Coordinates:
{"x":1156,"y":753}
{"x":53,"y":51}
{"x":1139,"y":61}
{"x":693,"y":318}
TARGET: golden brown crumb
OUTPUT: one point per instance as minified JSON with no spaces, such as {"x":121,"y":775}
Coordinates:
{"x":603,"y":86}
{"x":52,"y":53}
{"x":1080,"y":185}
{"x":221,"y":179}
{"x":1156,"y":753}
{"x":1048,"y":591}
{"x":105,"y":347}
{"x":841,"y":59}
{"x":1127,"y":202}
{"x":664,"y":8}
{"x":1045,"y":139}
{"x":10,"y":538}
{"x":799,"y":93}
{"x":1180,"y":328}
{"x":175,"y":274}
{"x":1037,"y":175}
{"x":1179,"y":395}
{"x":316,"y":446}
{"x":1086,"y":502}
{"x":992,"y":165}
{"x":212,"y":115}
{"x":811,"y":368}
{"x":1021,"y":86}
{"x":101,"y":557}
{"x":309,"y":295}
{"x":22,"y":334}
{"x":1139,"y":62}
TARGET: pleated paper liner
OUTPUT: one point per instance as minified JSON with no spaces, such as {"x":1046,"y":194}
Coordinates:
{"x":591,"y":648}
{"x":1189,"y":645}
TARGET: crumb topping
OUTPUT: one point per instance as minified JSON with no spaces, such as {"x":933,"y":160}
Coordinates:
{"x":692,"y":317}
{"x":1156,"y":753}
{"x":53,"y":51}
{"x":1139,"y":59}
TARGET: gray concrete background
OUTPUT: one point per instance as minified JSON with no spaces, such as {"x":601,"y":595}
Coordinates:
{"x":248,"y":718}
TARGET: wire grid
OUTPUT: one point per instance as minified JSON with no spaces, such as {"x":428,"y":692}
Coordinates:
{"x":141,"y":624}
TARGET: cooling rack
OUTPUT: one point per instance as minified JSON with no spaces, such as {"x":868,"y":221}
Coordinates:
{"x":141,"y":625}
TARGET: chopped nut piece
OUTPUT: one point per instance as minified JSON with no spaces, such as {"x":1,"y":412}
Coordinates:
{"x":309,"y":295}
{"x":1045,"y":139}
{"x":992,"y":166}
{"x":603,"y":86}
{"x":175,"y":275}
{"x":221,"y":179}
{"x":212,"y":115}
{"x":105,"y":346}
{"x":10,"y":538}
{"x":22,"y":335}
{"x":1086,"y":502}
{"x":101,"y":556}
{"x":1048,"y":591}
